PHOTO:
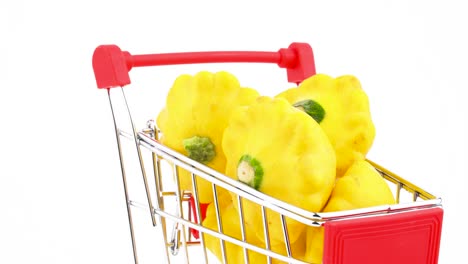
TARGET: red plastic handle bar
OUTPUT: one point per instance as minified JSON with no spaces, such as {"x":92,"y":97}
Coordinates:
{"x":112,"y":65}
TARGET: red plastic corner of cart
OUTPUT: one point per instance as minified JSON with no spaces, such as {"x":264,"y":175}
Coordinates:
{"x":110,"y":67}
{"x":305,"y":62}
{"x":404,"y":238}
{"x":203,"y":206}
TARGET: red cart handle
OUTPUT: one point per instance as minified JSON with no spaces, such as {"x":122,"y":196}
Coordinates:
{"x":111,"y":65}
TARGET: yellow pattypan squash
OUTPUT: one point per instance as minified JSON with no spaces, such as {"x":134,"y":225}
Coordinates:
{"x":193,"y":120}
{"x":280,"y":151}
{"x":341,"y":107}
{"x":231,"y":226}
{"x":361,"y":186}
{"x":228,"y":219}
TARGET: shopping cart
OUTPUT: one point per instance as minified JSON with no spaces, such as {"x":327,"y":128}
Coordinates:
{"x":407,"y":232}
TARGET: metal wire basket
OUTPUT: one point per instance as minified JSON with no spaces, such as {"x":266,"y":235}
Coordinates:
{"x":407,"y":232}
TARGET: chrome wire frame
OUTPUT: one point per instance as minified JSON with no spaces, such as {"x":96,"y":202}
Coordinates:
{"x":180,"y":235}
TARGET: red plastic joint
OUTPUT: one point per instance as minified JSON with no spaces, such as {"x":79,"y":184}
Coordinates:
{"x":304,"y":66}
{"x":110,"y":67}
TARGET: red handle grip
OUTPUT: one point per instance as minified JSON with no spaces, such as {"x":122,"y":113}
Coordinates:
{"x":111,"y":65}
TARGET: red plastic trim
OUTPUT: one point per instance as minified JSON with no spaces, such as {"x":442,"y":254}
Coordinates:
{"x":193,"y":210}
{"x":404,"y":238}
{"x":112,"y":65}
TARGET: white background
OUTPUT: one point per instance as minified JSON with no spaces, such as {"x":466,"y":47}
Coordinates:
{"x":61,"y":194}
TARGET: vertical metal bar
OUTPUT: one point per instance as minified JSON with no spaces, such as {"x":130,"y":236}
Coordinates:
{"x":142,"y":167}
{"x":175,"y":239}
{"x":398,"y":192}
{"x":415,"y":195}
{"x":179,"y":199}
{"x":219,"y":222}
{"x":189,"y":217}
{"x":242,"y":226}
{"x":124,"y":180}
{"x":286,"y":235}
{"x":159,"y":189}
{"x":266,"y":232}
{"x":198,"y":212}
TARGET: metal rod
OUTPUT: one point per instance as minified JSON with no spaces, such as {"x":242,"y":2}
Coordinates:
{"x":189,"y":243}
{"x":180,"y":208}
{"x":242,"y":226}
{"x":398,"y":192}
{"x":185,"y":197}
{"x":286,"y":235}
{"x":124,"y":180}
{"x":140,"y":158}
{"x":159,"y":200}
{"x":266,"y":232}
{"x":189,"y":208}
{"x":175,"y":239}
{"x":219,"y":222}
{"x":198,"y":213}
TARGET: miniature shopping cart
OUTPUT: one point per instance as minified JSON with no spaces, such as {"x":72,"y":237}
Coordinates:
{"x":407,"y":232}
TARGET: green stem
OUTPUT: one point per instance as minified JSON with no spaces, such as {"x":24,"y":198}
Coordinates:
{"x":312,"y":108}
{"x":250,"y":171}
{"x":200,"y":149}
